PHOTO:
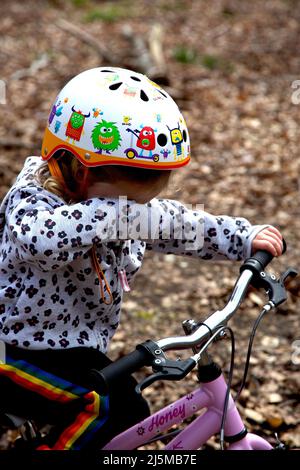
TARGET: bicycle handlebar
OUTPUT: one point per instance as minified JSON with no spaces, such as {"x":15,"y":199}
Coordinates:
{"x":124,"y":366}
{"x":143,"y":355}
{"x":250,"y":267}
{"x":218,"y":318}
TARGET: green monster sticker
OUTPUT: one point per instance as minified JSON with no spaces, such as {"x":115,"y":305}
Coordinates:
{"x":77,"y":120}
{"x":106,"y":136}
{"x":75,"y":124}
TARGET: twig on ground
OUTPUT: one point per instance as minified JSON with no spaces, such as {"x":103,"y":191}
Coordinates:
{"x":148,"y":57}
{"x":139,"y":48}
{"x":38,"y":64}
{"x":159,"y":72}
{"x":76,"y":31}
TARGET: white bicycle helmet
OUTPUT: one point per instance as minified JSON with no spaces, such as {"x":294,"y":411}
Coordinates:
{"x":114,"y":116}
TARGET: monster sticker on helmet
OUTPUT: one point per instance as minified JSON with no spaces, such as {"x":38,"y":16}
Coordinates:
{"x":75,"y":124}
{"x":55,"y":111}
{"x":106,"y":136}
{"x":176,"y":139}
{"x":126,"y":121}
{"x":145,"y":141}
{"x":97,"y":112}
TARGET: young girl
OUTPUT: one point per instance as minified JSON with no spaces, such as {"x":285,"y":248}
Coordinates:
{"x":66,"y":257}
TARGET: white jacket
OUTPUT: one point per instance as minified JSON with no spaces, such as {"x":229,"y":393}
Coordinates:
{"x":49,"y":290}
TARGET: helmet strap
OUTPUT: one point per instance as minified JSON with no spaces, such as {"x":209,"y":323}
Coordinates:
{"x":56,"y":171}
{"x":83,"y":182}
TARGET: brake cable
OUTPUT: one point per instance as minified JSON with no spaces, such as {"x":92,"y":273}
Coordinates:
{"x":264,"y":310}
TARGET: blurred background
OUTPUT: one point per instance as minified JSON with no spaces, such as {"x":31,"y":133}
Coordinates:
{"x":232,"y":67}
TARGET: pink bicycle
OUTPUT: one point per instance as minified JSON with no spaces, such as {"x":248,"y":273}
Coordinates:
{"x":213,"y":395}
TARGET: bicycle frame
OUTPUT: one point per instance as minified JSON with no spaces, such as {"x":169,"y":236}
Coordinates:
{"x":210,"y":397}
{"x":212,"y":394}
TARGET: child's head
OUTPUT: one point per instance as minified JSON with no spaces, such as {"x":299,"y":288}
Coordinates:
{"x":113,"y":132}
{"x":79,"y":182}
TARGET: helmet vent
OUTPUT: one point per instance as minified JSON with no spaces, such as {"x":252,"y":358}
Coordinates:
{"x":143,"y":96}
{"x":115,"y":86}
{"x":111,"y":71}
{"x":162,"y":140}
{"x":137,"y":79}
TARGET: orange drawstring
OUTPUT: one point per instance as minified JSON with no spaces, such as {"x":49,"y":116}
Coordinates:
{"x":57,"y":173}
{"x":101,"y":277}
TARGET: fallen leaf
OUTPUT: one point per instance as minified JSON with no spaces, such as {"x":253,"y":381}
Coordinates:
{"x":275,"y":398}
{"x":254,"y":416}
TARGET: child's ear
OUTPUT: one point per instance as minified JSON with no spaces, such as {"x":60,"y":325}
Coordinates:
{"x":82,"y":174}
{"x":82,"y":177}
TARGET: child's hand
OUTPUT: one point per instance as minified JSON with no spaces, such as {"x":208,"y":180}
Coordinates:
{"x":269,"y":239}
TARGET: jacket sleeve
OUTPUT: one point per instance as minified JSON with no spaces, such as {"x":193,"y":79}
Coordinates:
{"x":200,"y":234}
{"x":50,"y":234}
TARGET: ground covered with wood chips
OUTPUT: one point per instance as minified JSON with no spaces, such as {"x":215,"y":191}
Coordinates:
{"x":231,"y":66}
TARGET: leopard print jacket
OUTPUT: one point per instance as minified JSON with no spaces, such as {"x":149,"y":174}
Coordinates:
{"x":49,"y":290}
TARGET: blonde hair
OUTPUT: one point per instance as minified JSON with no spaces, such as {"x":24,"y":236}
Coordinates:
{"x":70,"y":165}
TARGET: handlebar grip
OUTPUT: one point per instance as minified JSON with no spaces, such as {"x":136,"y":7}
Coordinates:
{"x":265,"y":257}
{"x":102,"y":380}
{"x":258,"y":262}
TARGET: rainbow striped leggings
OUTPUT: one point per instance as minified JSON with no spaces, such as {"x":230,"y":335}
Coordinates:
{"x":52,"y":387}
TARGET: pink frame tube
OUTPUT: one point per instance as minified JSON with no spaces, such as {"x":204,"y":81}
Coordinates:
{"x":210,"y":397}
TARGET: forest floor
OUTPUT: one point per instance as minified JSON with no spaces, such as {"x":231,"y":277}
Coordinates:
{"x":230,"y":65}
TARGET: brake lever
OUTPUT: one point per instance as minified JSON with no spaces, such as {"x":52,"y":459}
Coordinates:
{"x":167,"y":369}
{"x":147,"y":381}
{"x":275,"y":288}
{"x":290,"y":272}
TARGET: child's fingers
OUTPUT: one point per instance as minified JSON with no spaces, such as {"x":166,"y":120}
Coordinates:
{"x":272,"y":239}
{"x":274,"y":236}
{"x":275,"y":231}
{"x":272,"y":232}
{"x":264,"y":245}
{"x":276,"y":242}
